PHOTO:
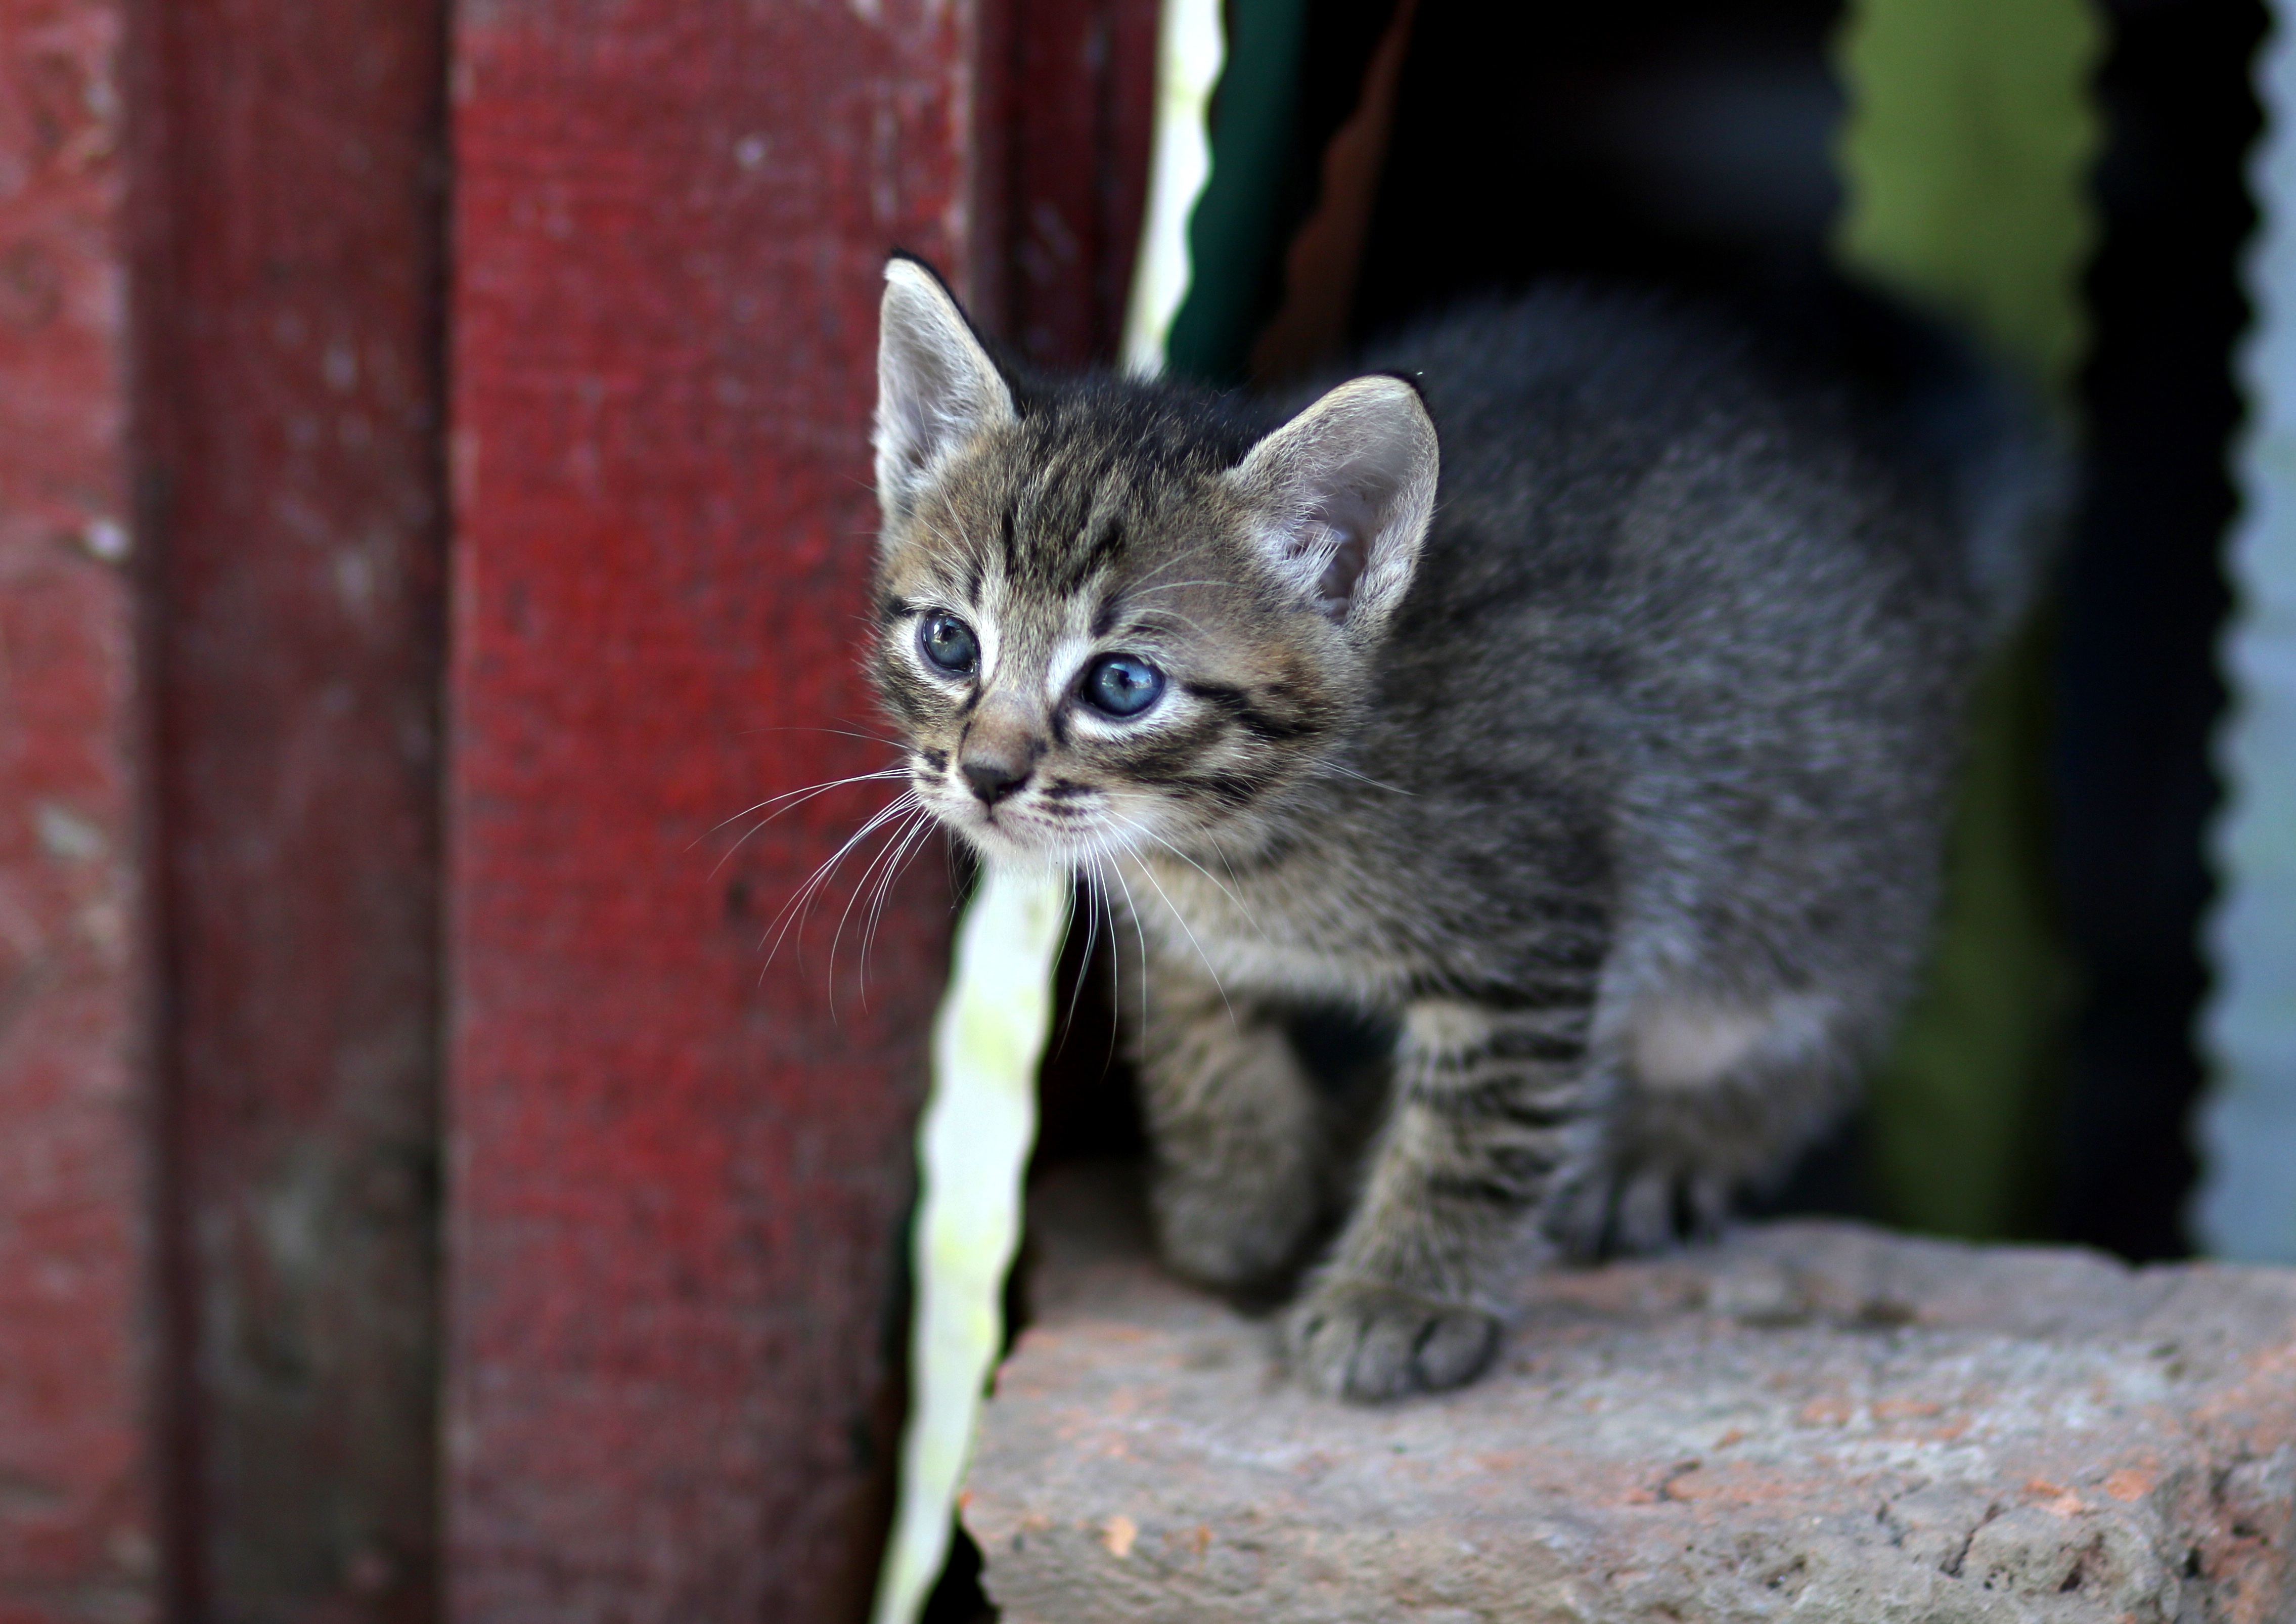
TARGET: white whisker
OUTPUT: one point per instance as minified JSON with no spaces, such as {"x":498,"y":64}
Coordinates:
{"x":1115,"y":968}
{"x":1152,"y":612}
{"x":903,"y":846}
{"x":797,"y":798}
{"x":811,"y":788}
{"x":1149,"y":875}
{"x":860,"y":888}
{"x":1348,"y":772}
{"x":778,"y":928}
{"x":1132,"y":906}
{"x":1200,"y":581}
{"x":1178,"y":559}
{"x":1215,"y":879}
{"x":842,"y":732}
{"x":1084,"y":965}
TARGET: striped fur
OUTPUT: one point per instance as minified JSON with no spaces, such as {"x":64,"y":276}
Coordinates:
{"x":1618,"y":788}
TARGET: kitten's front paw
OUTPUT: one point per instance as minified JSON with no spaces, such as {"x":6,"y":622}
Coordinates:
{"x":1233,"y":1231}
{"x":1365,"y":1343}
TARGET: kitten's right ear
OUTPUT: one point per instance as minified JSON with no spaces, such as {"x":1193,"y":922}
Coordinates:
{"x":1340,"y":497}
{"x":937,"y":389}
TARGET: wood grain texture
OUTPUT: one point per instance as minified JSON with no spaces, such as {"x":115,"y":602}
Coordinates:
{"x":677,"y":1174}
{"x":77,"y":1536}
{"x":290,"y":342}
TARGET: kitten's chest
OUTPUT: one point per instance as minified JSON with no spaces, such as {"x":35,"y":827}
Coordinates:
{"x":1284,"y":933}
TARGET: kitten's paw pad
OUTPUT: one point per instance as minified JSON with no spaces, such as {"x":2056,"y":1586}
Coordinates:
{"x":1212,"y":1235}
{"x":1371,"y":1342}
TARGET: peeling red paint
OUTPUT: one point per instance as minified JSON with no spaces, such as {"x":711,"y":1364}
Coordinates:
{"x":678,"y":1172}
{"x":288,"y":354}
{"x":1067,"y":90}
{"x":77,"y":1538}
{"x":676,"y":1178}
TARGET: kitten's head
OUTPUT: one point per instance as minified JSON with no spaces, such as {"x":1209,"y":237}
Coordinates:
{"x":1117,"y":614}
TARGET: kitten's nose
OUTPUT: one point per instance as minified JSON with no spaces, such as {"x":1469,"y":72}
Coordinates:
{"x":993,"y":780}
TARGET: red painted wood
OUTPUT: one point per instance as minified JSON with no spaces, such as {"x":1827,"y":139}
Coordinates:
{"x":77,"y":1536}
{"x":292,"y":372}
{"x":1073,"y":83}
{"x":677,"y":1176}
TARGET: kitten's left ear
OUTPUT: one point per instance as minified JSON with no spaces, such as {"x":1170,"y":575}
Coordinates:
{"x":1340,"y":496}
{"x":937,"y":388}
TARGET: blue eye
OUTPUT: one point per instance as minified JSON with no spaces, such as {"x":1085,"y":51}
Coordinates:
{"x":948,"y":643}
{"x":1122,"y":684}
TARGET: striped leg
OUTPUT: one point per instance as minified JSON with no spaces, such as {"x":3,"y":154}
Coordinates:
{"x":1235,"y":1129}
{"x":1490,"y":1107}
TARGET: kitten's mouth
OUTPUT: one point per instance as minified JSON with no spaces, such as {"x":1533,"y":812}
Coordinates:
{"x":1011,"y":834}
{"x":1011,"y":831}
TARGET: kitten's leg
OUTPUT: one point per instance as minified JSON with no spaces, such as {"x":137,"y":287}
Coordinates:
{"x":1235,"y":1129}
{"x":1490,"y":1106}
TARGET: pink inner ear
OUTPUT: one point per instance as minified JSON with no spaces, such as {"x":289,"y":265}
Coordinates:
{"x":1343,"y":521}
{"x":1335,"y":588}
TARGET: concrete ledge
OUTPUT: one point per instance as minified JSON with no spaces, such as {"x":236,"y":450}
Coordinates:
{"x":1810,"y":1421}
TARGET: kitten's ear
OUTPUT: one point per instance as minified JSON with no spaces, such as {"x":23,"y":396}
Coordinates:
{"x":937,"y":389}
{"x":1341,"y":496}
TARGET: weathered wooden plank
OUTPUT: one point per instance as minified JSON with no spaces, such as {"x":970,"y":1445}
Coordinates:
{"x":291,"y":371}
{"x":77,"y":1510}
{"x":677,"y":1174}
{"x":1070,"y":93}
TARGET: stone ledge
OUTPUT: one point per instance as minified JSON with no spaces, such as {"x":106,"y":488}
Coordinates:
{"x":1808,"y":1421}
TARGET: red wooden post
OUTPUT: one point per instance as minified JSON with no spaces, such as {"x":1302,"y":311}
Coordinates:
{"x":1070,"y":88}
{"x":77,"y":1510}
{"x":680,"y":1183}
{"x":291,"y":174}
{"x":675,"y":1176}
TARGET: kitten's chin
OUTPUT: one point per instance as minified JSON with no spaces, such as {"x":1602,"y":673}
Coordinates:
{"x":998,"y":850}
{"x":1002,"y":846}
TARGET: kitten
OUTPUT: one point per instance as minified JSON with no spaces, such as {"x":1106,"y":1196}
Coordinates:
{"x":1611,"y":762}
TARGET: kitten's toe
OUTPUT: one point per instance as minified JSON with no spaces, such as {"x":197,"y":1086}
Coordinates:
{"x":1367,"y":1343}
{"x":1625,"y":1211}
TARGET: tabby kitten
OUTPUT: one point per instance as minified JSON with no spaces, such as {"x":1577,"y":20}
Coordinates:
{"x":1610,"y":762}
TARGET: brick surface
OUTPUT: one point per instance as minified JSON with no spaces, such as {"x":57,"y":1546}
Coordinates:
{"x":1810,"y":1421}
